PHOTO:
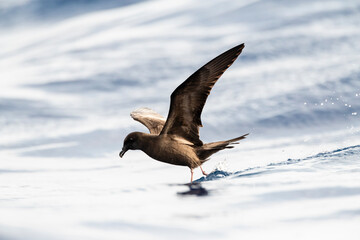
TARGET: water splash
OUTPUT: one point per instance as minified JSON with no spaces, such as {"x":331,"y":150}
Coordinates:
{"x":342,"y":153}
{"x":214,"y":175}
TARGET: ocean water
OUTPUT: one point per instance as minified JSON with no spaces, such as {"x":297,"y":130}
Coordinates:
{"x":71,"y":72}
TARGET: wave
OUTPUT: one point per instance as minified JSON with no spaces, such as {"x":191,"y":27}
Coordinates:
{"x":349,"y":154}
{"x":38,"y":11}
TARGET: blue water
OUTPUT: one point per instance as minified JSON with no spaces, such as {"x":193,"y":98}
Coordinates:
{"x":72,"y":71}
{"x":339,"y":159}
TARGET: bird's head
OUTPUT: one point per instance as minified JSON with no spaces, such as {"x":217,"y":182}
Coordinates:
{"x":130,"y":142}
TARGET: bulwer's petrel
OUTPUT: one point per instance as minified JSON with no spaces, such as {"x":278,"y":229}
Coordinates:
{"x":176,"y":140}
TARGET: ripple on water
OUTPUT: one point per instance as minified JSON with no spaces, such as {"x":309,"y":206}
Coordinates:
{"x":337,"y":156}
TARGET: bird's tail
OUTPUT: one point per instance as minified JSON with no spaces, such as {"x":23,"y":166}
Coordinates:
{"x":208,"y":149}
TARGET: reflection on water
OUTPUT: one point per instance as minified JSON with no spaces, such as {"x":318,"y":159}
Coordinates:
{"x":196,"y":189}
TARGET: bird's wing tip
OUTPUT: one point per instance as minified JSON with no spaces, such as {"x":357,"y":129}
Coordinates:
{"x":241,"y":46}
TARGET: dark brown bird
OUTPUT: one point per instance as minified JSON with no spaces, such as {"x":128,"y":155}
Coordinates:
{"x":176,"y":140}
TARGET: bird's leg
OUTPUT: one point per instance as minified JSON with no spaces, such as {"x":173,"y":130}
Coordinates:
{"x":203,"y":172}
{"x":192,"y":174}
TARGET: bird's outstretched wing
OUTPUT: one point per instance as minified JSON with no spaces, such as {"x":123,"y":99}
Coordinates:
{"x":151,"y":119}
{"x":188,"y":99}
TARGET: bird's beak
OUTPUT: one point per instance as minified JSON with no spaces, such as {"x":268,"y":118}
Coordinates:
{"x":123,"y":151}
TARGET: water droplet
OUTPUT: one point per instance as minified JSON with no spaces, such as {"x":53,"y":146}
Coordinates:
{"x":349,"y":105}
{"x":354,"y":113}
{"x":321,"y":104}
{"x":305,"y":103}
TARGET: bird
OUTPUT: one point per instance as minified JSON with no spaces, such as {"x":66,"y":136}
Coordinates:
{"x":176,"y":140}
